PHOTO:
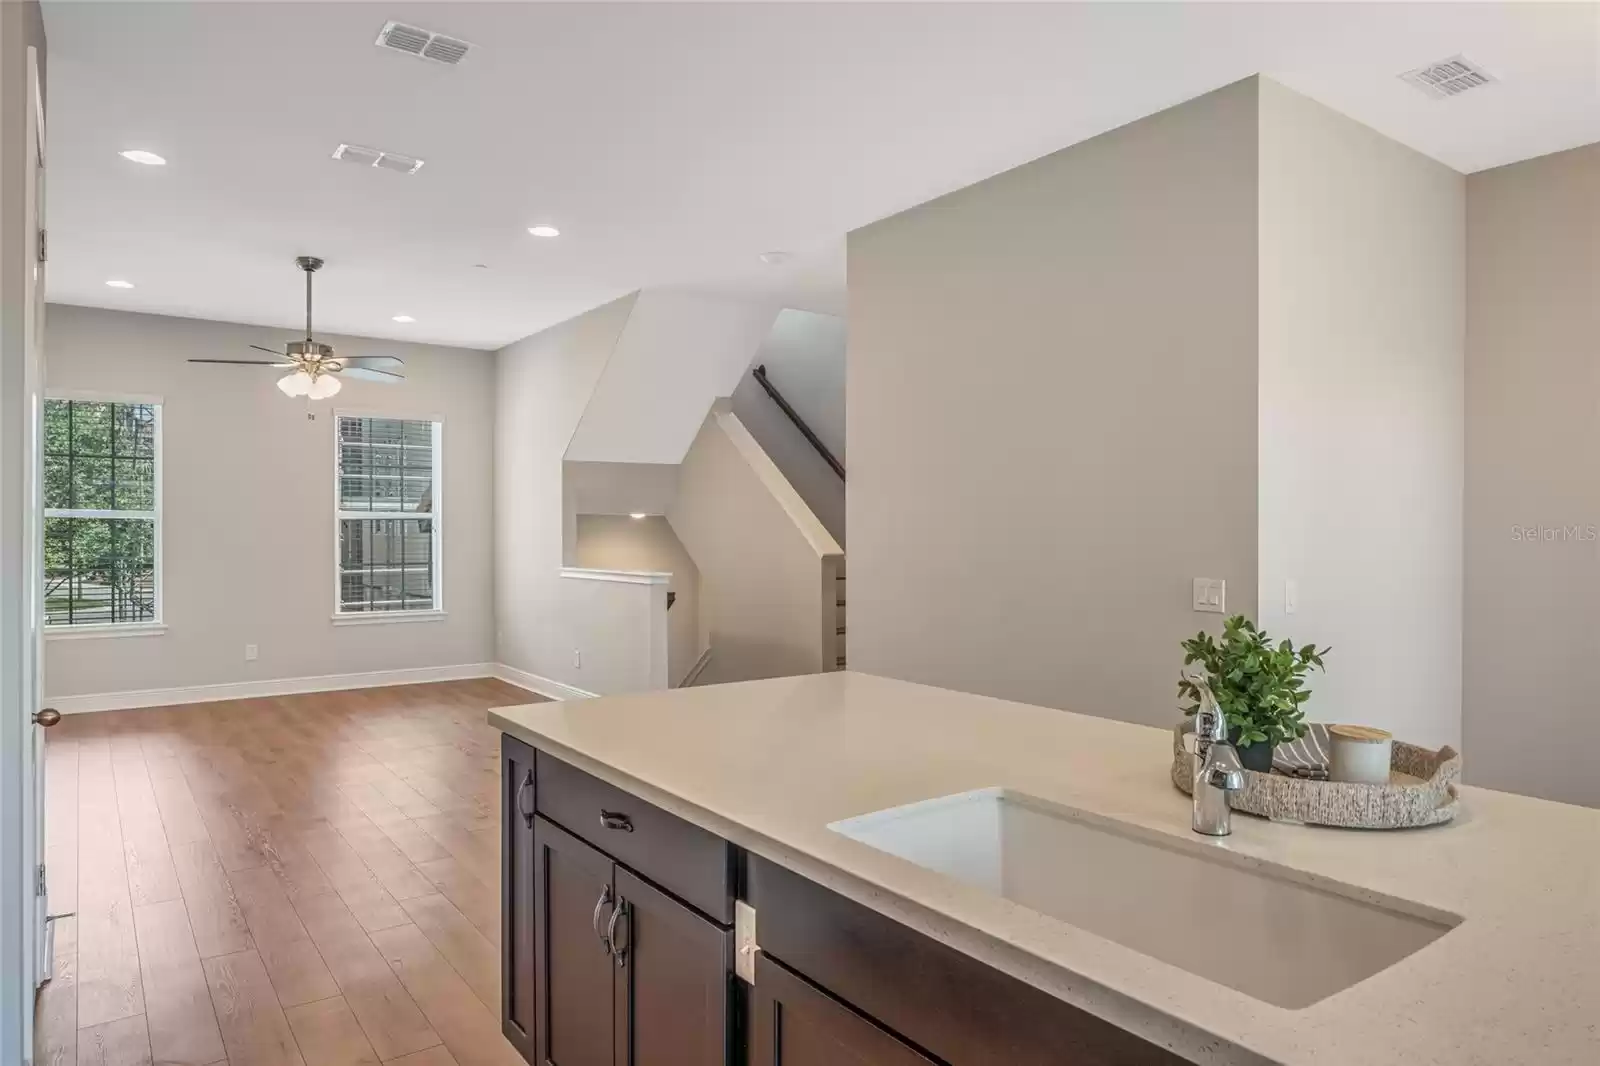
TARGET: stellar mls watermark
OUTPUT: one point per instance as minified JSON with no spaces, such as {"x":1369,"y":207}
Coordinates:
{"x":1572,"y":534}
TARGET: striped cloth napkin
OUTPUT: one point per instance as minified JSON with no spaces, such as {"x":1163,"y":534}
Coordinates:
{"x":1306,"y":757}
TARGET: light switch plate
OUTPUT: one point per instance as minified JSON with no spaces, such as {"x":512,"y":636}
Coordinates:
{"x":1291,"y":596}
{"x":1211,"y":595}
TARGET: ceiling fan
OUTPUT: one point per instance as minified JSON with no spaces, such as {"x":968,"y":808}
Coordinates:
{"x":314,"y":370}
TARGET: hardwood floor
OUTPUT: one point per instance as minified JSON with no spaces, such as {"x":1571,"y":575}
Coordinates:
{"x":300,"y":881}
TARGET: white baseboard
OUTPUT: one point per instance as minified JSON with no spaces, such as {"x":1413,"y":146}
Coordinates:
{"x":696,"y":670}
{"x":554,"y":690}
{"x":288,"y":686}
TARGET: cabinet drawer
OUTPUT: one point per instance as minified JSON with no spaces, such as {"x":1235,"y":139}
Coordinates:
{"x":692,"y":864}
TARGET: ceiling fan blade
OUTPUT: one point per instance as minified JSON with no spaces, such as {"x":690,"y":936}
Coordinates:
{"x":373,"y":362}
{"x":368,"y":374}
{"x":240,"y":362}
{"x":274,"y":351}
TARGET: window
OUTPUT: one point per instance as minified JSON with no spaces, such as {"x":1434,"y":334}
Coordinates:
{"x":388,"y":515}
{"x":102,"y":513}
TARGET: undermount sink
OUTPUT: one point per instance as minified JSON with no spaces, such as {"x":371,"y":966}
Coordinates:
{"x":1206,"y":910}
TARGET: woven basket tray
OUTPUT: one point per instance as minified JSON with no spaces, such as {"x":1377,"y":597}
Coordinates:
{"x":1421,"y":791}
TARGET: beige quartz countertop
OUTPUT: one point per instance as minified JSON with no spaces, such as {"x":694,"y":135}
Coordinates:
{"x":769,"y":764}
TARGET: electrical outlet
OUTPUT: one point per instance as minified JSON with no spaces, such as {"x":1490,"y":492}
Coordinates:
{"x":1211,"y":595}
{"x":577,"y":659}
{"x":250,"y":653}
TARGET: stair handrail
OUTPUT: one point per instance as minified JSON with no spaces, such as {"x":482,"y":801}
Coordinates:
{"x":760,"y":374}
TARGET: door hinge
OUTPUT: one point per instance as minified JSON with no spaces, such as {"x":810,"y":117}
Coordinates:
{"x":44,"y":246}
{"x":744,"y":941}
{"x":40,"y":882}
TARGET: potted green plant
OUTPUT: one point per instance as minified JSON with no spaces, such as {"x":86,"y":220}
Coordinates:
{"x":1260,"y":687}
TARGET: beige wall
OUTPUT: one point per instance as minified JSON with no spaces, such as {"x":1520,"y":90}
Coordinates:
{"x":678,"y":352}
{"x":1361,"y":361}
{"x":247,"y":506}
{"x":617,"y":622}
{"x":1052,"y":417}
{"x":542,"y":384}
{"x":767,"y":566}
{"x":799,"y":462}
{"x":617,"y":489}
{"x":804,"y":356}
{"x":1533,"y":414}
{"x":617,"y":542}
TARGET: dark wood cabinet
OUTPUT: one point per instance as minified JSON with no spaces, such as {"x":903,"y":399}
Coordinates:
{"x":516,"y":895}
{"x":624,"y":975}
{"x":797,"y":1024}
{"x":690,"y":863}
{"x":573,"y":902}
{"x":617,"y":953}
{"x":673,"y":993}
{"x":960,"y":1010}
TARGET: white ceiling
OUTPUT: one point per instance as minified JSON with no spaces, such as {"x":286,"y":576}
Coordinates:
{"x":671,"y":143}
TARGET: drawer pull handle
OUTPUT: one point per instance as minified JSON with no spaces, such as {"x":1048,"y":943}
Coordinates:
{"x":594,"y":923}
{"x":616,"y":820}
{"x":522,"y":789}
{"x":623,"y":913}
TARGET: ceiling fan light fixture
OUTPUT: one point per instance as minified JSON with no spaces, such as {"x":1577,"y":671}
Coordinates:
{"x":297,"y":383}
{"x":324,"y":386}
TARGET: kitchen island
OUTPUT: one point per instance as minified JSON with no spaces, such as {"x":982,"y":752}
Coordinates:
{"x":679,"y":807}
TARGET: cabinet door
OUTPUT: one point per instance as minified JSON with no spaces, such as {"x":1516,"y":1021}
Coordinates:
{"x":796,"y":1024}
{"x":673,"y":980}
{"x":516,"y":895}
{"x":573,"y":899}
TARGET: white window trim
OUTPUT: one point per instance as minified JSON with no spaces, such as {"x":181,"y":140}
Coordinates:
{"x":437,"y":611}
{"x":373,"y":618}
{"x":155,"y":625}
{"x":104,"y":629}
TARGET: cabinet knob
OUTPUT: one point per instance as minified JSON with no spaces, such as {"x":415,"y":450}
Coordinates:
{"x":47,"y":717}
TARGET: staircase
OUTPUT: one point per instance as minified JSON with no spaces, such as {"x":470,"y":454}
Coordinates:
{"x":839,"y":581}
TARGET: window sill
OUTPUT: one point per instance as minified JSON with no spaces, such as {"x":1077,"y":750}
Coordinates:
{"x":120,"y":629}
{"x":386,"y":617}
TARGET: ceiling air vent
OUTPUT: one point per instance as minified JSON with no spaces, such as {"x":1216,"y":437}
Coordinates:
{"x":1448,"y":77}
{"x":424,"y":44}
{"x":371,"y":157}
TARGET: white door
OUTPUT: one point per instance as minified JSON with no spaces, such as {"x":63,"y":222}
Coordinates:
{"x":33,"y":539}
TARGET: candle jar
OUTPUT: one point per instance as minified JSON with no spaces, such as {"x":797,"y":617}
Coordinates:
{"x":1359,"y":754}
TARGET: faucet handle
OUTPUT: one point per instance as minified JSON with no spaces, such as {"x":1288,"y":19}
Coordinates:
{"x":1226,"y":778}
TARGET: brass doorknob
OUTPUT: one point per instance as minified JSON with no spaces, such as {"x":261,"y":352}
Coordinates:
{"x":47,"y":717}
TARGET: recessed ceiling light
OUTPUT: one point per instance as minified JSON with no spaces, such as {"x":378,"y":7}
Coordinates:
{"x":404,"y":318}
{"x":118,"y":283}
{"x":638,"y":514}
{"x":139,"y":155}
{"x":776,"y":258}
{"x":544,"y":231}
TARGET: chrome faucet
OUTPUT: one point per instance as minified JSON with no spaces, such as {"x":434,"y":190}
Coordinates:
{"x":1217,"y":772}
